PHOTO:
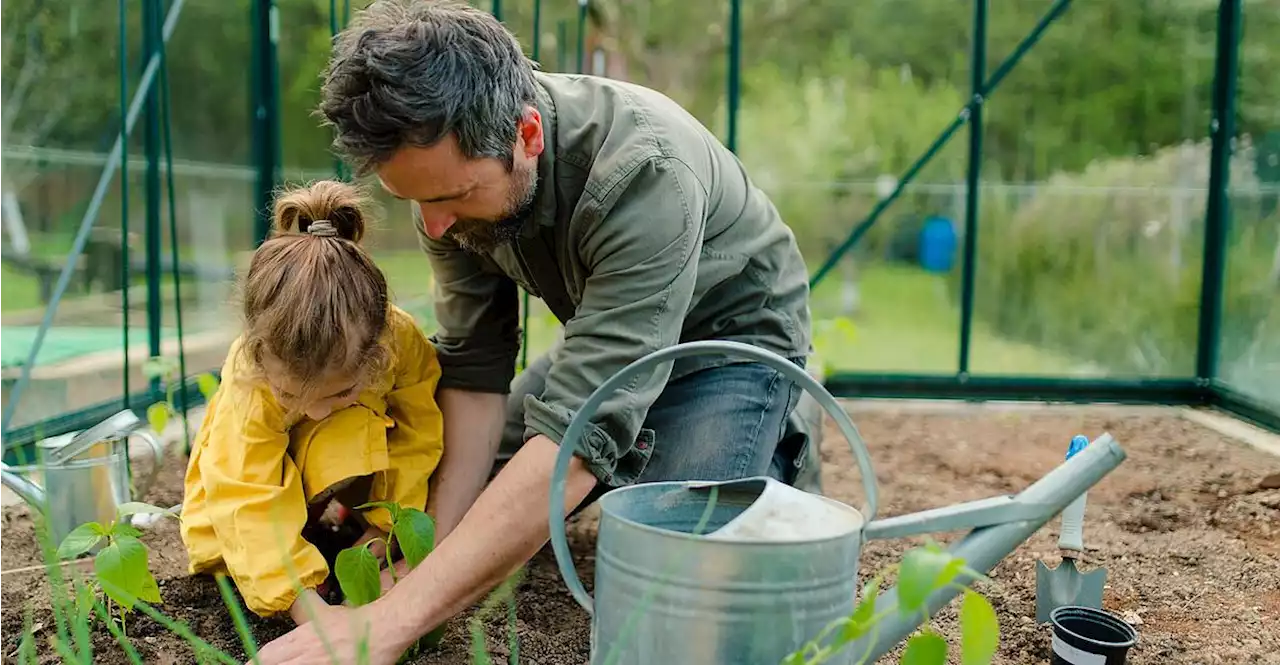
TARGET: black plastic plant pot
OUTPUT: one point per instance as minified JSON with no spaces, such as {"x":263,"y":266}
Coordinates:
{"x":1087,"y":636}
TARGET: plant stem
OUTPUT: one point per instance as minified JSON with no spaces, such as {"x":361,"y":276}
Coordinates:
{"x":391,"y":566}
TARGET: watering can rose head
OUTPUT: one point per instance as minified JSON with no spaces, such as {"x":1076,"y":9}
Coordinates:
{"x":314,"y":303}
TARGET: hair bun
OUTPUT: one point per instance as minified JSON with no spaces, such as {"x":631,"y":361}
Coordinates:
{"x":326,"y":209}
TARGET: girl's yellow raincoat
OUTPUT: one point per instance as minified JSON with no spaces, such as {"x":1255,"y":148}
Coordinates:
{"x":252,"y":474}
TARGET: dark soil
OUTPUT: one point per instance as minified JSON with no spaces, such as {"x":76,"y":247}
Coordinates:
{"x":1186,"y":533}
{"x":1184,"y":527}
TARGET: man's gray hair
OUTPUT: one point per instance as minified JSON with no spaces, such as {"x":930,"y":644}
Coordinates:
{"x":410,"y":72}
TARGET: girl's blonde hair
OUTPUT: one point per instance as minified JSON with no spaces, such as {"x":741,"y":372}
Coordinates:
{"x":313,"y":299}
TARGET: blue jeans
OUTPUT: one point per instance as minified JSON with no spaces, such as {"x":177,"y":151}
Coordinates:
{"x":715,"y":424}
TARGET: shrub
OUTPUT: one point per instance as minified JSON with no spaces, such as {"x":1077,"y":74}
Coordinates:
{"x":1105,"y":265}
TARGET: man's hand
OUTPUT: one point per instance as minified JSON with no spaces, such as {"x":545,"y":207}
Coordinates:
{"x":506,"y":526}
{"x":343,"y":630}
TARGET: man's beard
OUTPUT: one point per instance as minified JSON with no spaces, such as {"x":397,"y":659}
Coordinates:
{"x":484,"y":235}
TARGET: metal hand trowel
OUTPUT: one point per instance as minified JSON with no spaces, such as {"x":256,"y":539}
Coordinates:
{"x":1065,"y":585}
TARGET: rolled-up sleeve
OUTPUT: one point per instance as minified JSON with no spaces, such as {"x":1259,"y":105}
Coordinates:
{"x":642,"y":253}
{"x":478,"y":320}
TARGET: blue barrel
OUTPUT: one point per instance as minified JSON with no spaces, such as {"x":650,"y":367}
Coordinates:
{"x":937,"y":244}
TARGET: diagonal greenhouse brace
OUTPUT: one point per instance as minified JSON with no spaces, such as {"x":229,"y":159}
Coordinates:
{"x":91,"y":214}
{"x":1055,"y":11}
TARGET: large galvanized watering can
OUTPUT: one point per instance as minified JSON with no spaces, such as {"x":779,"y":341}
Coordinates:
{"x":85,"y":475}
{"x":745,"y":572}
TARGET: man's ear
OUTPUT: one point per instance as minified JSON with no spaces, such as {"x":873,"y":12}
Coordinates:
{"x":529,"y":137}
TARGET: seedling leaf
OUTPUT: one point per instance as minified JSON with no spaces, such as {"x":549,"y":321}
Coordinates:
{"x":859,"y":623}
{"x":979,"y":629}
{"x":158,"y":416}
{"x":122,"y":565}
{"x":925,"y":649}
{"x":81,"y":540}
{"x":124,"y":529}
{"x":208,"y":385}
{"x":923,"y":571}
{"x":138,"y":507}
{"x":416,"y":533}
{"x":158,"y":367}
{"x":357,"y":571}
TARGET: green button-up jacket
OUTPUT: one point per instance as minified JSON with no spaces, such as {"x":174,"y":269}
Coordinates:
{"x":647,"y":231}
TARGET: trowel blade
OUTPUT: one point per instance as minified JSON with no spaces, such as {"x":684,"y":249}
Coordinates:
{"x":1065,"y":585}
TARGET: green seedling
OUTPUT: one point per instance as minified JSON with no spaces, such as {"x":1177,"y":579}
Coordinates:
{"x":167,"y":370}
{"x":359,"y":572}
{"x":504,"y":594}
{"x":831,"y":338}
{"x":922,"y":571}
{"x":120,"y":569}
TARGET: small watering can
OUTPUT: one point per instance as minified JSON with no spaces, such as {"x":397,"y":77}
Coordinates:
{"x":747,"y":571}
{"x":85,"y":474}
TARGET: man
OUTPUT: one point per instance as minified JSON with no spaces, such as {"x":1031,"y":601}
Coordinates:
{"x":635,"y":226}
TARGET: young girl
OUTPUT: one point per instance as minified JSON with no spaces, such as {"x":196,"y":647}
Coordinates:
{"x":328,"y":392}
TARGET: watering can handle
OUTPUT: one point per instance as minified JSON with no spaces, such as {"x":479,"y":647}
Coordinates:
{"x":559,"y":540}
{"x":157,"y":456}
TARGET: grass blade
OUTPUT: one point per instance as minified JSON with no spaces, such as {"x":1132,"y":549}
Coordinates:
{"x":513,"y":637}
{"x":115,"y":631}
{"x":80,"y":625}
{"x":237,"y":617}
{"x":53,"y":571}
{"x":177,"y":628}
{"x":27,"y":647}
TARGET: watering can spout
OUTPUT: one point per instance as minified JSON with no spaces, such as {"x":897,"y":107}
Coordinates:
{"x":998,"y":526}
{"x":25,"y":489}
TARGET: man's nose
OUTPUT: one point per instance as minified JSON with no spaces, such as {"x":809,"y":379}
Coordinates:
{"x":435,"y":224}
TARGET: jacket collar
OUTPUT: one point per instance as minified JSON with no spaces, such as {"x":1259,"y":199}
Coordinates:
{"x":545,"y":201}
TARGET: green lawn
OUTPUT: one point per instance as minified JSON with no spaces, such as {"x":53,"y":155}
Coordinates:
{"x":907,"y":323}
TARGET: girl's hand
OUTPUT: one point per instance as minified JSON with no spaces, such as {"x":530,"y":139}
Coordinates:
{"x":401,"y":569}
{"x":379,"y":549}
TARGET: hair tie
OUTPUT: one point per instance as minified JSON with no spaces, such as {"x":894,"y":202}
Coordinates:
{"x":323,"y":228}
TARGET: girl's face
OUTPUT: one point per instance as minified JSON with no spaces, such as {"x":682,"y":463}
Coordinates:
{"x":331,"y":393}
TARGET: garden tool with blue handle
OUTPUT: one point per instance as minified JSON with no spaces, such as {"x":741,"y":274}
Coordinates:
{"x":1066,"y":585}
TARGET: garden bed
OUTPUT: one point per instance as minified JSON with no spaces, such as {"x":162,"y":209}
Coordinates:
{"x":1184,"y":526}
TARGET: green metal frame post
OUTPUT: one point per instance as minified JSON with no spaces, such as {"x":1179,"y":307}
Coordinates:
{"x":1055,"y":11}
{"x":151,"y":146}
{"x":265,"y":94}
{"x":115,"y":159}
{"x":978,"y":75}
{"x":537,"y":31}
{"x":562,"y":45}
{"x":1016,"y":388}
{"x":1218,"y":212}
{"x":735,"y":72}
{"x":335,"y":26}
{"x":582,"y":33}
{"x":524,"y":296}
{"x":497,"y":9}
{"x":125,"y":277}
